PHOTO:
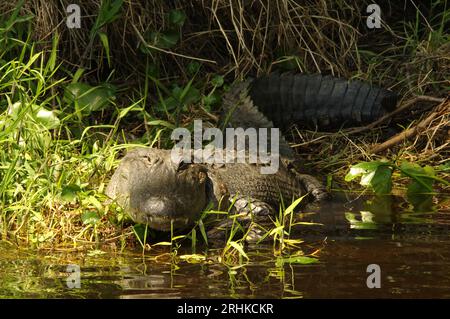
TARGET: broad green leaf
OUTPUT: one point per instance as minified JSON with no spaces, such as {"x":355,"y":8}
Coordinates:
{"x":217,"y":81}
{"x":212,"y":99}
{"x":168,"y":104}
{"x":177,"y":93}
{"x":363,"y":168}
{"x":186,"y":95}
{"x":422,"y":178}
{"x":177,"y":17}
{"x":90,"y":217}
{"x":209,"y":100}
{"x":89,"y":98}
{"x":69,"y":192}
{"x":366,"y":178}
{"x":381,"y":181}
{"x":376,"y":174}
{"x":47,"y":118}
{"x":168,"y":39}
{"x":411,"y":168}
{"x":191,"y":96}
{"x":193,"y":67}
{"x":91,"y":200}
{"x":164,"y":40}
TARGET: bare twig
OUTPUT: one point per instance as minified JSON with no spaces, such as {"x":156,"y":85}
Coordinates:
{"x":417,"y":129}
{"x":141,"y":38}
{"x":401,"y":108}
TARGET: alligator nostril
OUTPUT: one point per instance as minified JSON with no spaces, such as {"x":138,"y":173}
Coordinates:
{"x":151,"y":160}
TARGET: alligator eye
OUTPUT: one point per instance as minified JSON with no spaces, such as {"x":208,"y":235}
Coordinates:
{"x":182,"y":166}
{"x":151,"y":160}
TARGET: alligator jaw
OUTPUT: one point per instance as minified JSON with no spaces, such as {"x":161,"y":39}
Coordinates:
{"x":163,"y":223}
{"x":215,"y":192}
{"x":153,"y":190}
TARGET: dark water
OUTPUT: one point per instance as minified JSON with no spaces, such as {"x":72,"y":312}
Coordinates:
{"x":410,"y":244}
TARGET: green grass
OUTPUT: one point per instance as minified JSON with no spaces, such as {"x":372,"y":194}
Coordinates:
{"x":65,"y":123}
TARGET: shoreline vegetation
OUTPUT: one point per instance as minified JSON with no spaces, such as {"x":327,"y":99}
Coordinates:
{"x":73,"y":100}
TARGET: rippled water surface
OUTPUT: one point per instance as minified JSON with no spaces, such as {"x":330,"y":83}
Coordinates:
{"x":411,"y":244}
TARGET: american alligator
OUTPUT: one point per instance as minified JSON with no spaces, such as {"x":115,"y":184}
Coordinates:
{"x":163,"y":193}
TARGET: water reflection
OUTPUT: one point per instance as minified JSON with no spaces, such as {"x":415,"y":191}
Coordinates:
{"x":380,"y":215}
{"x":409,"y":242}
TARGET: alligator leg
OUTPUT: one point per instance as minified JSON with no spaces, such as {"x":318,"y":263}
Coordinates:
{"x":312,"y":186}
{"x":249,"y":214}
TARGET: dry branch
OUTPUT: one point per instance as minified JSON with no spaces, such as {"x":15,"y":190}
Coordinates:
{"x":401,"y":108}
{"x":443,"y":107}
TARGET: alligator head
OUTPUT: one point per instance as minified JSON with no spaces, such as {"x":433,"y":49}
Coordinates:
{"x":157,"y":191}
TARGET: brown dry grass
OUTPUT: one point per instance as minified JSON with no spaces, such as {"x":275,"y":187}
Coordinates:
{"x":252,"y":37}
{"x":241,"y":38}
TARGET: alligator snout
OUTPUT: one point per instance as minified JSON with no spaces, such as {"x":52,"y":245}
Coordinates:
{"x":158,"y":192}
{"x":162,"y":213}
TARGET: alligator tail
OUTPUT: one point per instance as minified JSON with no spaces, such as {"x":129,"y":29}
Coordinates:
{"x":323,"y":101}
